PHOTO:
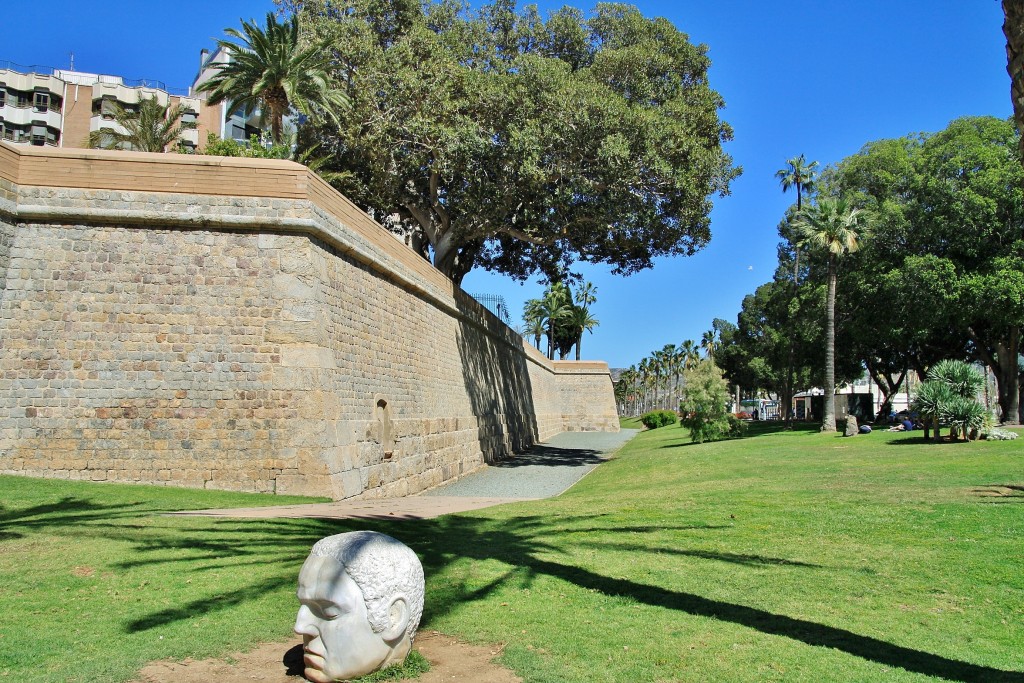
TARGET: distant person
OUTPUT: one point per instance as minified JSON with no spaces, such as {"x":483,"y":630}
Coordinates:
{"x":908,"y":426}
{"x":755,"y":414}
{"x":864,"y":429}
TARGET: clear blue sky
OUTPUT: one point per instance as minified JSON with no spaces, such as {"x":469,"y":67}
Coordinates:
{"x":818,"y":78}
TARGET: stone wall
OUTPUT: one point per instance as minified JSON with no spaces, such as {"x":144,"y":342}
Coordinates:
{"x":237,"y":324}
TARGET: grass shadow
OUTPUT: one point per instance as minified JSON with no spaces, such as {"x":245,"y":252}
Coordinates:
{"x":526,"y":543}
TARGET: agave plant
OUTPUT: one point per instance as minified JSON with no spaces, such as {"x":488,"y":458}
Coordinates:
{"x":962,"y":378}
{"x":965,"y":415}
{"x":930,"y":402}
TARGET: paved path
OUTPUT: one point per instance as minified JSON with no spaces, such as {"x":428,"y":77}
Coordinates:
{"x":545,"y":470}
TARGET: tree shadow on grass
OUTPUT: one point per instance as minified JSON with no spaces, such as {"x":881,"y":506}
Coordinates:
{"x":1000,"y":493}
{"x":530,"y":545}
{"x":517,"y":540}
{"x":14,"y":523}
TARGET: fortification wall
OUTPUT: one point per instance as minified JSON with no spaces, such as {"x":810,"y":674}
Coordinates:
{"x":237,"y":324}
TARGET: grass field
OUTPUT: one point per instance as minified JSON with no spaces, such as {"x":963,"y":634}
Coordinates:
{"x":783,"y":556}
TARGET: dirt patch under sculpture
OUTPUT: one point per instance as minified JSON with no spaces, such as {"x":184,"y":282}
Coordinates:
{"x":451,"y":660}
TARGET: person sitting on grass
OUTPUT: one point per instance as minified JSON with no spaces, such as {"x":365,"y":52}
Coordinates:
{"x":904,"y":425}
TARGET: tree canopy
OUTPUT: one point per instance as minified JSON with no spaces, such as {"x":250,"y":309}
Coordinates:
{"x":948,"y":252}
{"x":502,"y":139}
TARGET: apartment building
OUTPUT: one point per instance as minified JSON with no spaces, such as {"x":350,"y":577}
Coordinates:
{"x":60,"y":108}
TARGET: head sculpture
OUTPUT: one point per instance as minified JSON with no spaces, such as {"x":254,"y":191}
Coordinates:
{"x":362,"y":598}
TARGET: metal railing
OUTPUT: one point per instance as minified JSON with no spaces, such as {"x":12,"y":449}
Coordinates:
{"x":8,"y":65}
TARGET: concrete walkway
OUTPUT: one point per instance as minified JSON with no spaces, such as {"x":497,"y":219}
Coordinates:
{"x":544,"y":471}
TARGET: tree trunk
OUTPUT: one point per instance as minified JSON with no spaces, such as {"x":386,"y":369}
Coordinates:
{"x":828,"y":423}
{"x":1008,"y":377}
{"x":1005,"y":366}
{"x":888,"y":389}
{"x":551,"y":338}
{"x":1013,"y":29}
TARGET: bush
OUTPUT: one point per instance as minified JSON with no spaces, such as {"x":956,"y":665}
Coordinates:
{"x":964,"y":415}
{"x":737,"y":427}
{"x":703,"y":406}
{"x":658,"y":418}
{"x":996,"y":434}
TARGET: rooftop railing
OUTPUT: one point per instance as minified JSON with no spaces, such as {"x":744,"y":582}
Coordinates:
{"x":64,"y":74}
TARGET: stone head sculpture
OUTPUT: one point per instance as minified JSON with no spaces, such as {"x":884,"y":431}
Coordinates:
{"x":362,"y":598}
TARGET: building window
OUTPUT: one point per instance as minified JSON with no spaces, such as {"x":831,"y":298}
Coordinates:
{"x":3,"y":97}
{"x":189,"y":120}
{"x":23,"y":100}
{"x":41,"y":101}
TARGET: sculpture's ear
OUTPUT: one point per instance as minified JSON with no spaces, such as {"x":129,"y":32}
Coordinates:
{"x":398,"y":619}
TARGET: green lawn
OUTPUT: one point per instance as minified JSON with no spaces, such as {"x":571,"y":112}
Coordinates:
{"x":777,"y":557}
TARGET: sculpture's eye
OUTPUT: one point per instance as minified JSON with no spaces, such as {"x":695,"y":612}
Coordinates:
{"x":329,"y":610}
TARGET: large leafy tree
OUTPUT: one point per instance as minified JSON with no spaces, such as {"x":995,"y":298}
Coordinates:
{"x":270,"y":69}
{"x":834,"y":227}
{"x":501,"y":139}
{"x":755,"y":352}
{"x":150,"y":127}
{"x":948,"y":213}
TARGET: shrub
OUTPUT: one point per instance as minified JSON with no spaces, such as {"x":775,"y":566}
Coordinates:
{"x":996,"y":434}
{"x":658,"y":418}
{"x":737,"y":427}
{"x":964,"y":415}
{"x":705,"y":393}
{"x":949,"y":396}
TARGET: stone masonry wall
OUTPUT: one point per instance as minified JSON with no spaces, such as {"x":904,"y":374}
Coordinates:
{"x":280,"y":344}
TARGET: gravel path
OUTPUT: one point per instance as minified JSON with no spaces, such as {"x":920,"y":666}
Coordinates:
{"x":545,"y":470}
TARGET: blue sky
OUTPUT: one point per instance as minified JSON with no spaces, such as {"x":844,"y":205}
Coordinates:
{"x":818,"y":78}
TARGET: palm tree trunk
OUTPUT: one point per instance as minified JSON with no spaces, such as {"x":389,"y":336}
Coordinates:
{"x":828,"y":423}
{"x":1013,"y":29}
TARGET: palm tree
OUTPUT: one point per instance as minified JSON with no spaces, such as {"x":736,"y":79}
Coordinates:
{"x":1013,"y":29}
{"x":802,"y":175}
{"x":836,"y":228}
{"x":627,"y":387}
{"x":269,"y":71}
{"x":580,"y":318}
{"x":580,"y":321}
{"x":533,"y":320}
{"x":691,"y":354}
{"x":707,"y":342}
{"x":645,"y":380}
{"x":799,"y":173}
{"x":556,"y":305}
{"x":672,"y":362}
{"x":153,"y":127}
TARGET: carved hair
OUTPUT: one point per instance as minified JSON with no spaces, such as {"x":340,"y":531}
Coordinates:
{"x":382,"y":567}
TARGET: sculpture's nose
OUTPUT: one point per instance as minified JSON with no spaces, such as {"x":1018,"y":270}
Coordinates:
{"x":305,"y":624}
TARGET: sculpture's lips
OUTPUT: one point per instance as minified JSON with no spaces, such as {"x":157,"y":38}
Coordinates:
{"x":313,"y":660}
